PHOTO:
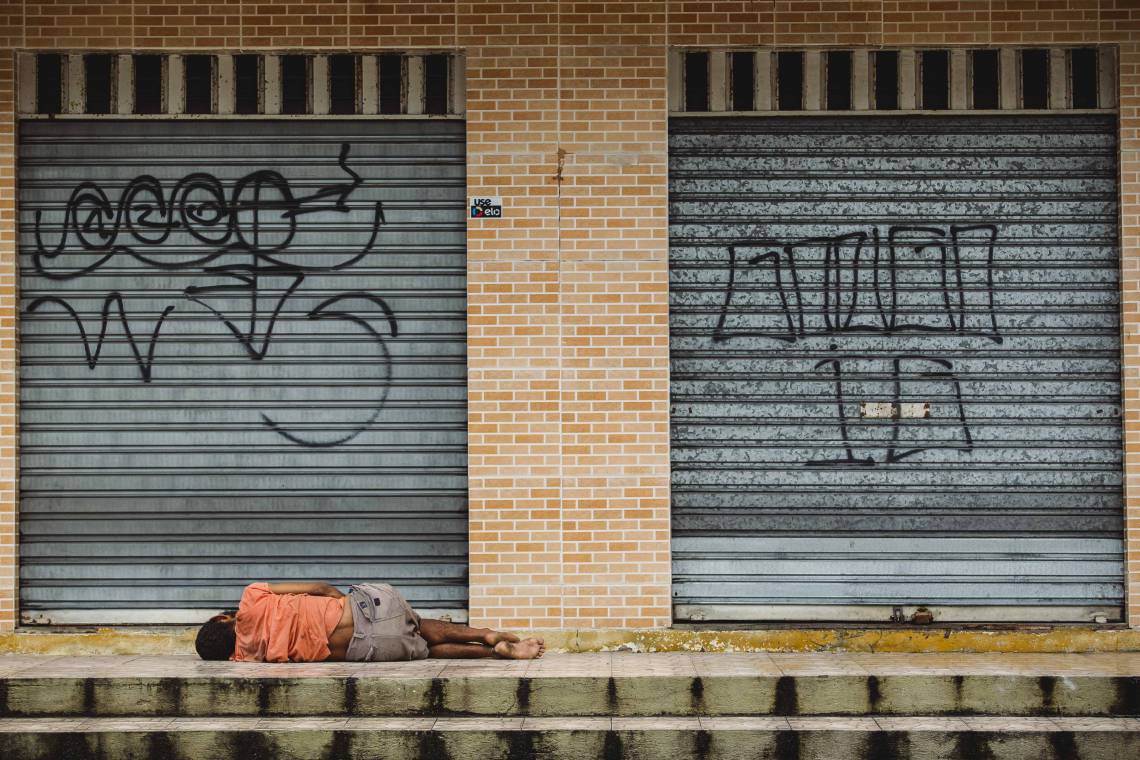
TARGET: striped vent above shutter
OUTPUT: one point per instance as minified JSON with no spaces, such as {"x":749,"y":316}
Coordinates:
{"x":243,"y":358}
{"x":895,"y":363}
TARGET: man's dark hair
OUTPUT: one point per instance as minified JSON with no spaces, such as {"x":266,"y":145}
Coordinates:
{"x":216,"y":639}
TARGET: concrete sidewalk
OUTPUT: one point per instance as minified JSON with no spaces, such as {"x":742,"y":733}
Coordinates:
{"x":1023,"y":639}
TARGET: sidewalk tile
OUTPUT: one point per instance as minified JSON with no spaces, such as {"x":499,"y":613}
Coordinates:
{"x":745,"y":723}
{"x":570,"y":723}
{"x":919,"y":723}
{"x":301,"y":724}
{"x":833,"y":724}
{"x":661,"y":723}
{"x":488,"y":723}
{"x":1007,"y":723}
{"x":390,"y":724}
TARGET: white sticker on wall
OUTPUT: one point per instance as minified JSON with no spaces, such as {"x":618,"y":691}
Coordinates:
{"x":486,"y":208}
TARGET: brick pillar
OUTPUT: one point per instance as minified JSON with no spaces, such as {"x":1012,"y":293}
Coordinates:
{"x":514,"y":362}
{"x":9,"y":350}
{"x":568,"y":315}
{"x":614,"y":293}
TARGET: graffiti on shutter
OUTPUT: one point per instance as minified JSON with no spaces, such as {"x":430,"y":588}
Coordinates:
{"x":924,"y":279}
{"x":243,"y":235}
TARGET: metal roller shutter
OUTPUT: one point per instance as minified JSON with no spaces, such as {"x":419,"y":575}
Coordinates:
{"x":895,"y":362}
{"x":243,"y":357}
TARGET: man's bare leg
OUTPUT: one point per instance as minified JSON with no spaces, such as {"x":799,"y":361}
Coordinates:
{"x":442,"y":632}
{"x":460,"y":651}
{"x":504,"y":650}
{"x":450,"y":640}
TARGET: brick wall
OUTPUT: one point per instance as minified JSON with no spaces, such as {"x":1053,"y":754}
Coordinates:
{"x":568,"y":293}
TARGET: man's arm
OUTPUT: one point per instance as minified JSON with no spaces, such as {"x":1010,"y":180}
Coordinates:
{"x":312,"y":589}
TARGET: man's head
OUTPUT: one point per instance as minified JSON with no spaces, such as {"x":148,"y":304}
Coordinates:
{"x":216,"y":638}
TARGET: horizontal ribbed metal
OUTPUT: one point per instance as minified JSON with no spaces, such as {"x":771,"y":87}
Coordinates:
{"x":820,"y":264}
{"x":328,"y":442}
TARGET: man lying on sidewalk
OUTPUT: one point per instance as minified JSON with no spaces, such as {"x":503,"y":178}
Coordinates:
{"x":312,"y":622}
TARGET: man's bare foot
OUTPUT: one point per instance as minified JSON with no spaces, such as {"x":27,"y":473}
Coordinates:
{"x":529,"y":649}
{"x":494,"y":637}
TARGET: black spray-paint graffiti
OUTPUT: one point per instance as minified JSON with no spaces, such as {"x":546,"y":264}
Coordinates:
{"x":820,"y":283}
{"x":906,"y":369}
{"x":258,"y":217}
{"x":925,"y":279}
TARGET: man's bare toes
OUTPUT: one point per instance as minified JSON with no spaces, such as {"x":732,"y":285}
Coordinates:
{"x":521,"y":650}
{"x":494,"y":637}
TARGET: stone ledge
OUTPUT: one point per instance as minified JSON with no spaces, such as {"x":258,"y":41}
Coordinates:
{"x":596,"y":684}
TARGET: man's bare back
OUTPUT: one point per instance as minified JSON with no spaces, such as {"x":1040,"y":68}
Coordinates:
{"x":342,"y":634}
